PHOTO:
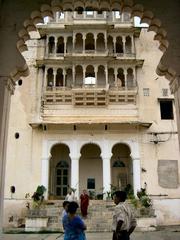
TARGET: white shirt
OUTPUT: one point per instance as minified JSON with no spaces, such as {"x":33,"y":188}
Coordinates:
{"x":124,"y":213}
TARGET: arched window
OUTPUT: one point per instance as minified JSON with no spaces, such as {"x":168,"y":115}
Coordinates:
{"x":51,"y":45}
{"x":50,"y":77}
{"x":62,"y":171}
{"x":119,"y":164}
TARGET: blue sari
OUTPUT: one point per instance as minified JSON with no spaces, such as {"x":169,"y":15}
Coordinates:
{"x":74,"y":228}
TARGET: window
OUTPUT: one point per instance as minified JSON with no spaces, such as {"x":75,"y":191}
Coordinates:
{"x":166,"y":108}
{"x":90,"y":80}
{"x":165,"y":92}
{"x":91,"y":183}
{"x":146,"y":92}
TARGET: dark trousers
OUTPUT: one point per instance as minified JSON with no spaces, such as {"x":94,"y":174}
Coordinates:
{"x":122,"y":235}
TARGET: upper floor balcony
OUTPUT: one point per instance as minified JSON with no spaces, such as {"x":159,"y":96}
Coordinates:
{"x":89,"y":85}
{"x":86,"y":44}
{"x":64,"y":19}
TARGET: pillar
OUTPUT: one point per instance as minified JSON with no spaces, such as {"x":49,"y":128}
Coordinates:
{"x":84,"y":39}
{"x":55,"y":46}
{"x":75,"y":174}
{"x":106,"y":158}
{"x":84,"y":74}
{"x":105,"y":41}
{"x":136,"y":175}
{"x":65,"y":45}
{"x":7,"y":87}
{"x":106,"y":174}
{"x":47,"y":47}
{"x":125,"y":78}
{"x":124,"y":44}
{"x":64,"y":77}
{"x":106,"y":74}
{"x":95,"y":42}
{"x":114,"y":43}
{"x":96,"y":70}
{"x":115,"y":74}
{"x":132,"y":45}
{"x":45,"y":174}
{"x":54,"y":75}
{"x":73,"y":75}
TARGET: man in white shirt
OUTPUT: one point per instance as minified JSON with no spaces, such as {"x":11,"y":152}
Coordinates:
{"x":124,"y":222}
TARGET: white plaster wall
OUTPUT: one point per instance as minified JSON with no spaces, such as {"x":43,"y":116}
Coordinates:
{"x":167,"y":211}
{"x":24,"y":163}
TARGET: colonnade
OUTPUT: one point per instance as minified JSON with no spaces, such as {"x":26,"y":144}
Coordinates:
{"x":96,"y":42}
{"x":106,"y":154}
{"x":75,"y":75}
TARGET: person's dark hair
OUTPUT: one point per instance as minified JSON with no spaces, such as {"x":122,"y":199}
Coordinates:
{"x":65,"y":203}
{"x":72,"y":207}
{"x":121,"y":195}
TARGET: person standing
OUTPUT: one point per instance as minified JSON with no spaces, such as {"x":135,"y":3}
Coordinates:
{"x":124,"y":221}
{"x":84,"y":203}
{"x":70,"y":196}
{"x":73,"y":225}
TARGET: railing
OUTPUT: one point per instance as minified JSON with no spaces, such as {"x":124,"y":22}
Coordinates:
{"x":86,"y":96}
{"x":106,"y":52}
{"x":109,"y":17}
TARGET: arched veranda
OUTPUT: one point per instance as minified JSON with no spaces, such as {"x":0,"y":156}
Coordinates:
{"x":90,"y":168}
{"x":59,"y":171}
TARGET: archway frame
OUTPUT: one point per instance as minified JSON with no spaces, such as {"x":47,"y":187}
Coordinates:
{"x":138,"y":10}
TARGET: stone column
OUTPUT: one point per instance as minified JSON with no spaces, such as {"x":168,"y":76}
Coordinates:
{"x":45,"y":80}
{"x":47,"y":47}
{"x":124,"y":44}
{"x":95,"y":42}
{"x":106,"y":74}
{"x":73,"y":75}
{"x":114,"y":43}
{"x":106,"y":158}
{"x":136,"y":175}
{"x":132,"y":45}
{"x":64,"y":77}
{"x":115,"y":74}
{"x":75,"y":174}
{"x":84,"y":39}
{"x":84,"y":74}
{"x":55,"y":45}
{"x":96,"y":70}
{"x":45,"y":174}
{"x":125,"y":78}
{"x":106,"y":175}
{"x":7,"y":87}
{"x":65,"y":45}
{"x":105,"y":41}
{"x":54,"y":75}
{"x":74,"y":42}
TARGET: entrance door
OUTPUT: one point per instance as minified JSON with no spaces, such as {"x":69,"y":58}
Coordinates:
{"x":62,"y":170}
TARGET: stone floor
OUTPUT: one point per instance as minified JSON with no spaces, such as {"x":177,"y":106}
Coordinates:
{"x":168,"y":233}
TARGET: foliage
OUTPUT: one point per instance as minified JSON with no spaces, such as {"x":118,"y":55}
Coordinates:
{"x":144,"y":198}
{"x":38,"y":196}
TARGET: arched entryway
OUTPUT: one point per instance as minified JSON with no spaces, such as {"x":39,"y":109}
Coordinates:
{"x":121,"y":166}
{"x":59,"y":174}
{"x":90,"y":169}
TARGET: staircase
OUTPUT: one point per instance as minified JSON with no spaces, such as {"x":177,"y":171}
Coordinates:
{"x":99,"y":217}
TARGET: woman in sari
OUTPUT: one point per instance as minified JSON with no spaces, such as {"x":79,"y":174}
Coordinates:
{"x":73,"y":225}
{"x":84,"y":199}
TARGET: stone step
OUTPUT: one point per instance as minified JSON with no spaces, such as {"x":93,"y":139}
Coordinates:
{"x":99,"y":216}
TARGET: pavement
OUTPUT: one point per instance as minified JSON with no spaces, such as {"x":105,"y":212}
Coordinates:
{"x":167,"y":233}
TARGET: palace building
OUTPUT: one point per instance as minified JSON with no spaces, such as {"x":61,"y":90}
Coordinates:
{"x":93,"y":114}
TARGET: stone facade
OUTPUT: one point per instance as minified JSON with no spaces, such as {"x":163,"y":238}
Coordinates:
{"x":92,"y":116}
